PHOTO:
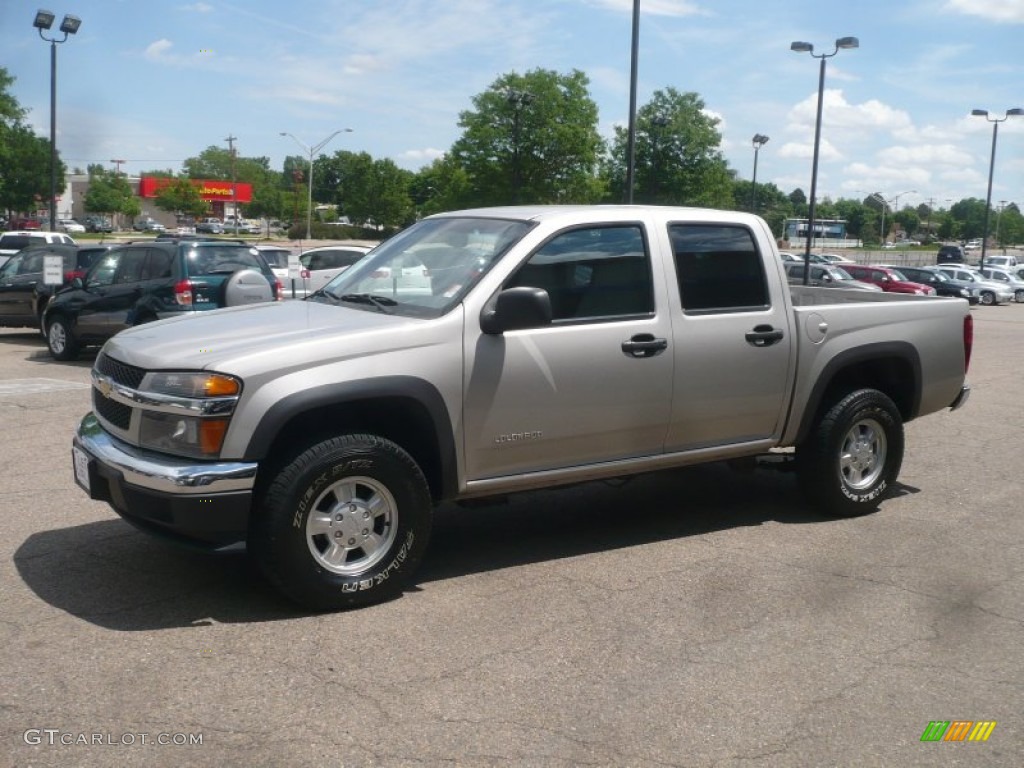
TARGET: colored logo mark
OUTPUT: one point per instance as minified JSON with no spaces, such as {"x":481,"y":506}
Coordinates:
{"x":958,"y":730}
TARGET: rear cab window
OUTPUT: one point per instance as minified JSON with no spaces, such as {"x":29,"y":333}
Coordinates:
{"x":718,"y":268}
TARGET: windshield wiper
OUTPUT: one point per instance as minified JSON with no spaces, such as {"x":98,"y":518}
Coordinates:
{"x":380,"y":302}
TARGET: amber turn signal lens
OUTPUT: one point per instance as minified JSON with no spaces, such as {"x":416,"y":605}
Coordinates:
{"x":218,"y":386}
{"x":211,"y":435}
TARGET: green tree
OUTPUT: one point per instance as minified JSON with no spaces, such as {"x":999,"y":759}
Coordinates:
{"x":531,"y":138}
{"x":677,"y":155}
{"x":24,"y":157}
{"x":441,"y":186}
{"x":182,"y":197}
{"x":108,"y":192}
{"x":970,"y":215}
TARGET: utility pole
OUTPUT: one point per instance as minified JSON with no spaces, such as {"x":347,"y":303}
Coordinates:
{"x":118,"y":163}
{"x":234,"y":192}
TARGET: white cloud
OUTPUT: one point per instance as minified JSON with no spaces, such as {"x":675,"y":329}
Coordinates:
{"x":198,"y":8}
{"x":157,"y":51}
{"x":419,"y":157}
{"x":797,"y":150}
{"x":842,"y":116}
{"x":994,"y":10}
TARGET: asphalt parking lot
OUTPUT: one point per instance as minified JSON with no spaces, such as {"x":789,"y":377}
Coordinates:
{"x":689,"y":618}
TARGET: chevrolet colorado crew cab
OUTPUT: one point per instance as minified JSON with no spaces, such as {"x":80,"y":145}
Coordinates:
{"x":483,"y":352}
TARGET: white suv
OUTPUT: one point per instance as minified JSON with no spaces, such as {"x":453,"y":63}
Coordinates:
{"x":12,"y":242}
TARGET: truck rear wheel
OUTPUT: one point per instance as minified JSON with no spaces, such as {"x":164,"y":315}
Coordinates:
{"x":344,"y":524}
{"x":853,"y":455}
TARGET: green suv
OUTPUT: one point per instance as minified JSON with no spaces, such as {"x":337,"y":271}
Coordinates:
{"x":141,"y":282}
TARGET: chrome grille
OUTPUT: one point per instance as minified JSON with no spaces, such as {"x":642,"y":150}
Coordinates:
{"x":122,"y":373}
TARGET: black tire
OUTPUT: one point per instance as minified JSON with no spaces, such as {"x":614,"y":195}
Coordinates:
{"x":852,"y":457}
{"x":344,"y":524}
{"x":62,"y":344}
{"x":988,"y":298}
{"x":1018,"y":296}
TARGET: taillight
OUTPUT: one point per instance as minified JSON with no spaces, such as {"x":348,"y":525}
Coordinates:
{"x":69,"y":276}
{"x":278,"y":289}
{"x":304,"y":274}
{"x":183,"y":292}
{"x":968,"y":340}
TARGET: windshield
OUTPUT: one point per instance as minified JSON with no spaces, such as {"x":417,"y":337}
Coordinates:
{"x":425,"y":270}
{"x":841,"y":274}
{"x":896,"y":275}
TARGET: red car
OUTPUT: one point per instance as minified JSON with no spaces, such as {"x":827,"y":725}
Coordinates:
{"x":888,"y":279}
{"x":25,"y":224}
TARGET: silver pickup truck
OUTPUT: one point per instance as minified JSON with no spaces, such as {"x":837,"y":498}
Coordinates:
{"x":479,"y":353}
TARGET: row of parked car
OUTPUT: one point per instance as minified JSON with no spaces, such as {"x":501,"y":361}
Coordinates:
{"x":108,"y":287}
{"x":989,"y":285}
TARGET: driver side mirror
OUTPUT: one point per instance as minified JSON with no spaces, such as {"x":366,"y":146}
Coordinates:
{"x":515,"y":309}
{"x":77,"y":283}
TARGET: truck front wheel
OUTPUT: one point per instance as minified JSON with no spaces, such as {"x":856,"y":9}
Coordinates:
{"x":344,"y":524}
{"x":853,"y":455}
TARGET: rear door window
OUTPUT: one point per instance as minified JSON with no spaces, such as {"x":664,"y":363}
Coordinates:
{"x":719,"y":268}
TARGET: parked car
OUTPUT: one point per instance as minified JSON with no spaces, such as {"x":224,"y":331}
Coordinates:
{"x":888,"y":279}
{"x":943,"y":284}
{"x":210,"y":226}
{"x":12,"y":242}
{"x":837,"y":259}
{"x":973,"y":245}
{"x":789,"y":256}
{"x":321,"y":265}
{"x":141,"y":282}
{"x":950,"y":254}
{"x":597,"y":343}
{"x":29,"y":222}
{"x":277,"y":257}
{"x":989,"y":291}
{"x":1007,"y":277}
{"x":23,"y":292}
{"x":70,"y":226}
{"x":826,"y":276}
{"x":146,"y":224}
{"x":1003,"y":262}
{"x":96,"y":223}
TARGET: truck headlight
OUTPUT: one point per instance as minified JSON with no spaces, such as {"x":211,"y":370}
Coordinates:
{"x":193,"y":436}
{"x":186,"y":413}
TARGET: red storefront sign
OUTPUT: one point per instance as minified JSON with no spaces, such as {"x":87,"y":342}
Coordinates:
{"x":149,"y":186}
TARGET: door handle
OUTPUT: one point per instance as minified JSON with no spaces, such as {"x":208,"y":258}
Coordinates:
{"x":644,"y":345}
{"x":763,"y":336}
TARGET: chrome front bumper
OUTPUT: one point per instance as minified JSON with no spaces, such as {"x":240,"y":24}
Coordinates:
{"x":159,"y":472}
{"x":962,"y":398}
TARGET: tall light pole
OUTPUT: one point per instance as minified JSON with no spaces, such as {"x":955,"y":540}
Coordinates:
{"x":758,"y":141}
{"x":801,"y":47}
{"x":69,"y":26}
{"x":1016,"y":111}
{"x":231,"y":139}
{"x":311,"y":151}
{"x":631,"y":134}
{"x":892,"y":205}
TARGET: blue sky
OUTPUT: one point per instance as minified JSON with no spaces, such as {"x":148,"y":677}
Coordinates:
{"x":155,"y":81}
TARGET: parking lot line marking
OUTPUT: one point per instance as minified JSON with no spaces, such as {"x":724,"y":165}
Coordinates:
{"x":37,"y":386}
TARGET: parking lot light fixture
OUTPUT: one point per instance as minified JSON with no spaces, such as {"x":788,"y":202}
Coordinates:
{"x":69,"y":26}
{"x":1015,"y":112}
{"x":311,"y":151}
{"x":802,"y":47}
{"x":758,"y":141}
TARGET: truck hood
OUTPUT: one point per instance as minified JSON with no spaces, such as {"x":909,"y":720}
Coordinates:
{"x":215,"y":338}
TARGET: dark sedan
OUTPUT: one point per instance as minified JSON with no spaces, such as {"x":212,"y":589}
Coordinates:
{"x":943,"y":284}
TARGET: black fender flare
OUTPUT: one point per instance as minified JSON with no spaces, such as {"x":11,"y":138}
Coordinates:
{"x":862,"y":355}
{"x":410,"y":388}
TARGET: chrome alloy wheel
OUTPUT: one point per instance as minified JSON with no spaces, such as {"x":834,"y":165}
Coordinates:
{"x":863,"y":453}
{"x":352,"y":526}
{"x":57,"y":337}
